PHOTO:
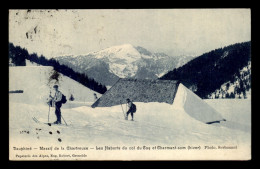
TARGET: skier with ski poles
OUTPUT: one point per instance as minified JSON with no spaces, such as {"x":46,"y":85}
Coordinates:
{"x":57,"y":101}
{"x":131,"y":109}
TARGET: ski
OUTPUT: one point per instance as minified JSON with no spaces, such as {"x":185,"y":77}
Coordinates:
{"x":49,"y":124}
{"x":130,"y":120}
{"x":36,"y":120}
{"x":54,"y":124}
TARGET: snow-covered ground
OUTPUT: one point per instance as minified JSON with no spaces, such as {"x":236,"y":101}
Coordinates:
{"x":156,"y":124}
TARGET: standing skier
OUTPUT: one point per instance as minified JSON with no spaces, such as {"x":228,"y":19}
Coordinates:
{"x":57,"y":101}
{"x":131,"y":109}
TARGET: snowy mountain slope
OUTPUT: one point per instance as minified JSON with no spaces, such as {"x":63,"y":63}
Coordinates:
{"x":125,"y":61}
{"x":239,"y":87}
{"x":36,"y":85}
{"x":206,"y":74}
{"x":99,"y":71}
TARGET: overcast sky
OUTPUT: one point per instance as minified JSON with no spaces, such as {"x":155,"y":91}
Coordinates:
{"x":172,"y":31}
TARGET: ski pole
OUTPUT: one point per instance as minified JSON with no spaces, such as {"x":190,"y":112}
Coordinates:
{"x":49,"y":109}
{"x":49,"y":114}
{"x":122,"y":110}
{"x":63,"y":120}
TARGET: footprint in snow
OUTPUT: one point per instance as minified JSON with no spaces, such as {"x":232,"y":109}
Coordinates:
{"x":24,"y":131}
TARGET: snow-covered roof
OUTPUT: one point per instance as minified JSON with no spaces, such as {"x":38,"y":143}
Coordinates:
{"x":138,"y":91}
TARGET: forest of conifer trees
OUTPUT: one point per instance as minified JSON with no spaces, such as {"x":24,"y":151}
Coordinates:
{"x":18,"y":55}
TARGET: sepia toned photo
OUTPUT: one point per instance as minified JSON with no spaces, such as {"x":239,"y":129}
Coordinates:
{"x":129,"y":84}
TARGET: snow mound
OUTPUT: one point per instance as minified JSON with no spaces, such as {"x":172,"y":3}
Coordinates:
{"x":195,"y":106}
{"x":36,"y":85}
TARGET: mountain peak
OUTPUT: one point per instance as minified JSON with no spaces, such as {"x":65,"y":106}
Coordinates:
{"x":125,"y":51}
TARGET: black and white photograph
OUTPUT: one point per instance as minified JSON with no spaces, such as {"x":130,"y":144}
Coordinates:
{"x":129,"y":84}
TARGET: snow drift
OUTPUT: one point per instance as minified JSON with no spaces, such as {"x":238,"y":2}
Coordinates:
{"x":195,"y":106}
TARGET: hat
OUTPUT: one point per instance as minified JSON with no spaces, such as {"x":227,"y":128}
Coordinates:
{"x":55,"y":86}
{"x":128,"y":100}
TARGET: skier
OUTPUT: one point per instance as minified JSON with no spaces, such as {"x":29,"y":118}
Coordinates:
{"x":131,"y":109}
{"x":57,"y":101}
